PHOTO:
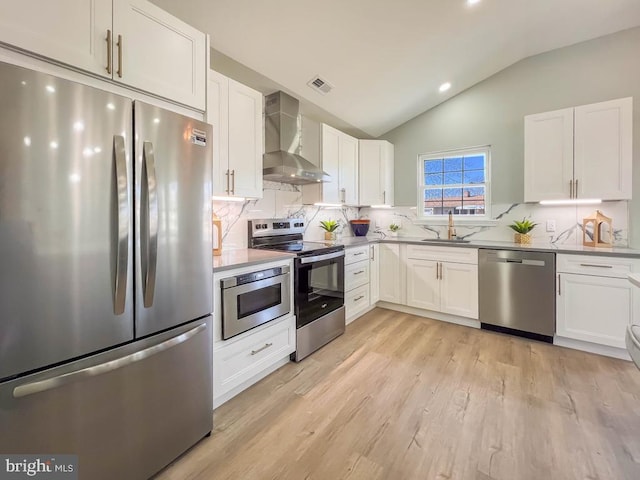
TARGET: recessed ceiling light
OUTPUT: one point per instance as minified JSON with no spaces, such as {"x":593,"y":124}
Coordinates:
{"x":444,"y":87}
{"x":50,"y":89}
{"x":472,"y":2}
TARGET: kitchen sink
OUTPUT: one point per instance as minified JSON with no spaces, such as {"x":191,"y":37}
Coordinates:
{"x":444,"y":240}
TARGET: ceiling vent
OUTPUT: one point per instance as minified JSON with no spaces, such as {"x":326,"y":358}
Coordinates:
{"x":320,"y":85}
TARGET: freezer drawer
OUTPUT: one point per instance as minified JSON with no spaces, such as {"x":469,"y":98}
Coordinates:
{"x":126,"y":413}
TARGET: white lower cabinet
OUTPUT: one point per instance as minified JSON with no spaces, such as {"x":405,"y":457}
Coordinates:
{"x":237,"y":361}
{"x":356,"y":282}
{"x":374,"y":273}
{"x":392,"y":278}
{"x":594,"y":299}
{"x":443,"y":287}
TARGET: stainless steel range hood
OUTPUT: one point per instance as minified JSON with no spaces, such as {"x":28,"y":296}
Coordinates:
{"x":283,"y":134}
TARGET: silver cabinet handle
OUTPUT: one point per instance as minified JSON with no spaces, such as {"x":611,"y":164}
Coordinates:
{"x":373,"y":253}
{"x":384,"y":197}
{"x":437,"y":271}
{"x":358,"y":298}
{"x":233,"y":180}
{"x":343,"y":195}
{"x":441,"y":276}
{"x":559,"y":286}
{"x":123,"y":222}
{"x":358,"y":273}
{"x":149,"y":224}
{"x":102,"y":368}
{"x":595,"y":266}
{"x":108,"y":39}
{"x":119,"y":45}
{"x":266,"y":345}
{"x":575,"y":189}
{"x":570,"y":188}
{"x":359,"y":253}
{"x":228,"y":190}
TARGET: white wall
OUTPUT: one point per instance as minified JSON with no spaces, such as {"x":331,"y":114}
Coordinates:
{"x":492,"y":113}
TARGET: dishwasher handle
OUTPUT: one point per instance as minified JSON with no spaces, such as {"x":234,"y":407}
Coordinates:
{"x":520,"y":261}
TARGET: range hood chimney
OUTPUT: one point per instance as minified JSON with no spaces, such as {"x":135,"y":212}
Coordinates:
{"x":283,"y":133}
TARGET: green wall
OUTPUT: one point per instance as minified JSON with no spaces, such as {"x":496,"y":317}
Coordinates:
{"x":492,"y":112}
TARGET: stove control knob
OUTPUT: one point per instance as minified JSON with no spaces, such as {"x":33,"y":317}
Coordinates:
{"x":264,"y":225}
{"x":258,"y":226}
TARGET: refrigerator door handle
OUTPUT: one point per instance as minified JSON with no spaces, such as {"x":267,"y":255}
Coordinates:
{"x":123,"y":221}
{"x":149,"y":224}
{"x":102,"y":368}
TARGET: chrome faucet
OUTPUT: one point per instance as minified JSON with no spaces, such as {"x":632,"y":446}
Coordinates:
{"x":451,"y":231}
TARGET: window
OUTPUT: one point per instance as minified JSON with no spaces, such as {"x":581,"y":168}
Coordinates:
{"x":456,"y":181}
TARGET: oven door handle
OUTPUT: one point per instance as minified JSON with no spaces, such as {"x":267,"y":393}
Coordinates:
{"x":319,"y":258}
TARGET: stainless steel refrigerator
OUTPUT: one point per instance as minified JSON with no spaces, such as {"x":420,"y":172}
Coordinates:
{"x":105,"y":277}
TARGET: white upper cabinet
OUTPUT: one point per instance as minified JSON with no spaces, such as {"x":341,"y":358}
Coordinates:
{"x":130,"y":41}
{"x":603,"y":150}
{"x":548,"y":155}
{"x":159,"y":53}
{"x":235,"y":111}
{"x":582,"y":152}
{"x":376,"y":172}
{"x":340,"y":160}
{"x":73,"y":32}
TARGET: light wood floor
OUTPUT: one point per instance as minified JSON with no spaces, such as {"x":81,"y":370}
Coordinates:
{"x":402,"y":397}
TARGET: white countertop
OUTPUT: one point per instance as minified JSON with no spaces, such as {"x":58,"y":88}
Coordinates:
{"x":245,"y":257}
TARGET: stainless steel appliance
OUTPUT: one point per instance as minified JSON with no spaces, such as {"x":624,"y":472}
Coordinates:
{"x":318,"y":281}
{"x":255,"y":298}
{"x":106,"y":279}
{"x":517,"y":292}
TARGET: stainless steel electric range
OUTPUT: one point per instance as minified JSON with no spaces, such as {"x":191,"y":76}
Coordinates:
{"x":318,"y":281}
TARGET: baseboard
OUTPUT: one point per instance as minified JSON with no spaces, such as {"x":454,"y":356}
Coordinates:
{"x":605,"y":350}
{"x":359,"y":314}
{"x":443,"y":317}
{"x":217,"y":401}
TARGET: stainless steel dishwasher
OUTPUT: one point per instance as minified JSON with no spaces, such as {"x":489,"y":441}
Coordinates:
{"x":517,"y":292}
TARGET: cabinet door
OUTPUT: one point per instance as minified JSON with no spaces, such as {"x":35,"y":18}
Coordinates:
{"x":69,"y":31}
{"x":371,"y":166}
{"x":459,"y":289}
{"x":423,"y":285}
{"x":348,"y":176}
{"x":160,"y":54}
{"x":603,"y":150}
{"x":246,"y":144}
{"x":391,"y":283}
{"x":548,"y":155}
{"x":595,"y":309}
{"x":388,"y":165}
{"x":218,"y":116}
{"x":374,"y":273}
{"x":331,"y":164}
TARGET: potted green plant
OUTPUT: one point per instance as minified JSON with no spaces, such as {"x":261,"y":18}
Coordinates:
{"x":522,"y":230}
{"x":393,"y":228}
{"x":329,"y":227}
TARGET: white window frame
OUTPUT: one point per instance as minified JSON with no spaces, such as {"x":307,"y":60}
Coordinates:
{"x":443,"y":219}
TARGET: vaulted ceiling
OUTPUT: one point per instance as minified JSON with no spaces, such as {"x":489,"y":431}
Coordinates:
{"x":387,"y":59}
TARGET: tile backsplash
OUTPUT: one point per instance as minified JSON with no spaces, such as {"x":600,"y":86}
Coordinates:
{"x":283,"y":200}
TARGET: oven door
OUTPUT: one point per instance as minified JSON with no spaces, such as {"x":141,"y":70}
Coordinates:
{"x":251,"y":304}
{"x":319,"y":285}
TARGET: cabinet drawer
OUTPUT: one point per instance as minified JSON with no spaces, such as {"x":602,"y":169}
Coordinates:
{"x":356,"y":254}
{"x":356,"y":275}
{"x":236,"y":361}
{"x":443,"y":254}
{"x":356,"y":300}
{"x":596,"y":265}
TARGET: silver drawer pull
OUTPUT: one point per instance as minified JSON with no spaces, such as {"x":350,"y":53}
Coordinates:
{"x":358,"y":298}
{"x":358,"y":273}
{"x":359,"y":253}
{"x":266,"y":345}
{"x":597,"y":266}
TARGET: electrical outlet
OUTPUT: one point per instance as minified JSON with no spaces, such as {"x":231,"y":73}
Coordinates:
{"x":551,"y":225}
